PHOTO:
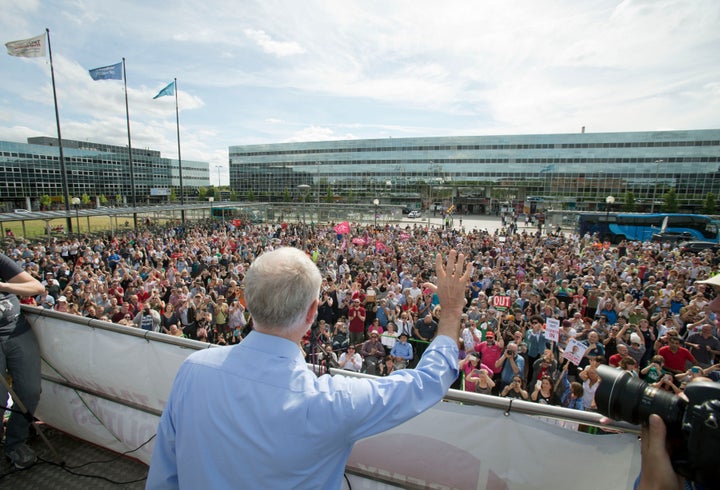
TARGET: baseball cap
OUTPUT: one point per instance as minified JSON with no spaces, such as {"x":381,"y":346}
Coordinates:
{"x":489,"y":335}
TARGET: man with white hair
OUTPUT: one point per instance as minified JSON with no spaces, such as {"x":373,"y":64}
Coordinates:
{"x":272,"y":414}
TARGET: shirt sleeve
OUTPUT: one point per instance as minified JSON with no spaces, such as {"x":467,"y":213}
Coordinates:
{"x":371,"y":406}
{"x":8,"y":268}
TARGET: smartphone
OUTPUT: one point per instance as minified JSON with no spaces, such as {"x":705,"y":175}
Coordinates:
{"x":537,"y":384}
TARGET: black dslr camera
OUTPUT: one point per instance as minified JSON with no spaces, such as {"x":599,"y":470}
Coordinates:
{"x":693,"y":426}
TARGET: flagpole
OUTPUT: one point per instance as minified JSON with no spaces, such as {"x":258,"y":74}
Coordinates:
{"x":63,"y":171}
{"x":182,"y":190}
{"x":130,"y":159}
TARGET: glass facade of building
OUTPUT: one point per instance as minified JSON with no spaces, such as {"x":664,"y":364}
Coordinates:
{"x":573,"y":171}
{"x":30,"y":170}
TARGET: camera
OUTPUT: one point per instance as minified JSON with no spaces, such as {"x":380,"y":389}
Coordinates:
{"x":693,"y":425}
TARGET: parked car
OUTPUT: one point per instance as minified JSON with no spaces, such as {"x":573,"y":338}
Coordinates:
{"x":672,"y":236}
{"x":414,"y":214}
{"x":21,"y":211}
{"x":696,"y":246}
{"x":406,"y":210}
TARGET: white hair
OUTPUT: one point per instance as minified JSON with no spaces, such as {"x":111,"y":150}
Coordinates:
{"x":280,"y":286}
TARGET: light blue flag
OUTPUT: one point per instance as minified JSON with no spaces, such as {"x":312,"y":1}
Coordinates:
{"x":110,"y":72}
{"x":169,"y":90}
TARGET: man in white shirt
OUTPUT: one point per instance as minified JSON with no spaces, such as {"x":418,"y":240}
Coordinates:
{"x":351,"y":360}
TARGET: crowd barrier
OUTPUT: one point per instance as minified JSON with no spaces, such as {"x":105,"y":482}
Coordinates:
{"x":107,"y":384}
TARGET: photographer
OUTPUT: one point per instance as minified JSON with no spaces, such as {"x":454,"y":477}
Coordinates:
{"x":656,"y":471}
{"x":515,"y":389}
{"x":510,"y":364}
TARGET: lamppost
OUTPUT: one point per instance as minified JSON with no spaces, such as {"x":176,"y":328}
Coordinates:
{"x":75,"y":201}
{"x":304,"y":188}
{"x":657,"y":176}
{"x":609,"y":201}
{"x":376,"y":203}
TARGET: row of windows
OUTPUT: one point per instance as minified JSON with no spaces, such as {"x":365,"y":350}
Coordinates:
{"x":536,"y":146}
{"x":72,"y":159}
{"x":538,"y":161}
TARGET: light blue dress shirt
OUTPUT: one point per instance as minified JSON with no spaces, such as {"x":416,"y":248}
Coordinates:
{"x":402,"y":350}
{"x":254,"y":416}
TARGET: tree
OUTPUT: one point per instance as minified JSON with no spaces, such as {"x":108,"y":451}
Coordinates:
{"x":118,"y":199}
{"x":233,"y":195}
{"x":173,"y":195}
{"x":103,"y":200}
{"x":629,"y":204}
{"x":671,"y":203}
{"x":710,"y":203}
{"x":85,"y":199}
{"x":211,"y":192}
{"x":202,"y":193}
{"x":329,"y":197}
{"x":286,"y":195}
{"x":250,"y":195}
{"x":45,"y":201}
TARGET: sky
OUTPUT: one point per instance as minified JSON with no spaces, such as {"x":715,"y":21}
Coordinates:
{"x":275,"y":71}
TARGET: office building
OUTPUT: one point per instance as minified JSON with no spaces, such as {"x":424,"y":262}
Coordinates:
{"x":31,"y":170}
{"x":481,"y":173}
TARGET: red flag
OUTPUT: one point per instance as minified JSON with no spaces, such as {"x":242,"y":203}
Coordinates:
{"x":358,"y":241}
{"x":342,"y":228}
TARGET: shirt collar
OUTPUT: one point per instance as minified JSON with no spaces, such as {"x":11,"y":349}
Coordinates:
{"x":272,"y":344}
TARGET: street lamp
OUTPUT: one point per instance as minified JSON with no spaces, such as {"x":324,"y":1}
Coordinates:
{"x":657,"y":176}
{"x":75,"y":201}
{"x":376,"y":203}
{"x":609,"y":201}
{"x":304,"y":188}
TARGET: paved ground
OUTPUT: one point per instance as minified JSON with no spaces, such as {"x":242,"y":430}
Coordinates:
{"x":469,"y":222}
{"x":86,"y":466}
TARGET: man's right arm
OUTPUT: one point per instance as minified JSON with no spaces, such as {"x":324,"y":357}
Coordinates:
{"x":452,"y":281}
{"x":382,"y":403}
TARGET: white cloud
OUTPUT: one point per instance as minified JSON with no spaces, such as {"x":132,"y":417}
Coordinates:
{"x":281,"y":70}
{"x":316,"y":133}
{"x":277,"y":48}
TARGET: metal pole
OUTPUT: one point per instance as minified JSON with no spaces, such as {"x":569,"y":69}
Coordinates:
{"x":130,"y":159}
{"x":63,"y":170}
{"x":182,"y":188}
{"x":657,"y":177}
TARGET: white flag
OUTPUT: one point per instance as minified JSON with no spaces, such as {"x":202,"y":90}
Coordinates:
{"x":27,"y":48}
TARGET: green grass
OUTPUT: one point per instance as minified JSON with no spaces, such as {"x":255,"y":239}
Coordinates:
{"x":35,"y":229}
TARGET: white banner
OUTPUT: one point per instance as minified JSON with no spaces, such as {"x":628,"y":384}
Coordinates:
{"x":108,"y":388}
{"x":27,"y":48}
{"x":471,"y":447}
{"x":130,"y":375}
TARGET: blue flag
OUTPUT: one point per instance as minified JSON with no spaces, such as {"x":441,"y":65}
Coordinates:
{"x":111,"y":72}
{"x":169,"y":90}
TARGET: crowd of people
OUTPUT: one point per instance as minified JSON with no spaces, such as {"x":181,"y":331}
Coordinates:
{"x":635,"y":306}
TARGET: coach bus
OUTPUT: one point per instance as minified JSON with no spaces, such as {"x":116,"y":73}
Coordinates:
{"x":615,"y":227}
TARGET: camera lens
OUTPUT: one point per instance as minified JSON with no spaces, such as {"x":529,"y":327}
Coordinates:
{"x":621,"y":396}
